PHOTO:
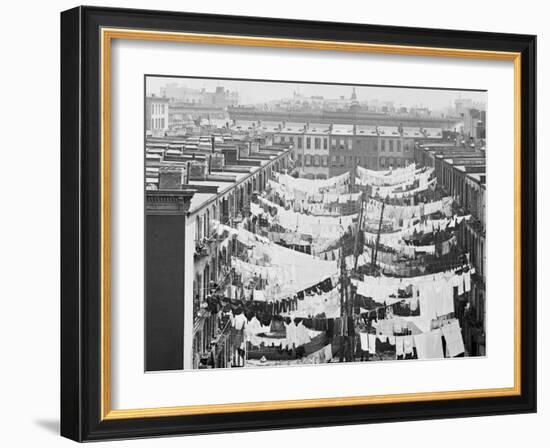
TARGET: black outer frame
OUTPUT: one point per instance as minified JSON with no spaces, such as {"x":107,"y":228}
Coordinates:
{"x":80,"y":223}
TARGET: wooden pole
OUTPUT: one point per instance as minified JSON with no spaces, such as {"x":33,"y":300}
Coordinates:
{"x":342,"y":303}
{"x":359,"y":229}
{"x":375,"y":256}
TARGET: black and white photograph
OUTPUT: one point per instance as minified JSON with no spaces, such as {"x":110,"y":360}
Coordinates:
{"x":303,"y":223}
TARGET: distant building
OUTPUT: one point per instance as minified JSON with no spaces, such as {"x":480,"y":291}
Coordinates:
{"x":314,"y":151}
{"x":220,"y":97}
{"x":391,"y":147}
{"x":156,"y":114}
{"x":366,"y":146}
{"x":473,"y":117}
{"x":341,"y":152}
{"x":373,"y":147}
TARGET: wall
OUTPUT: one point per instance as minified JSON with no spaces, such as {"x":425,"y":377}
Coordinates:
{"x":165,"y":243}
{"x":29,"y":289}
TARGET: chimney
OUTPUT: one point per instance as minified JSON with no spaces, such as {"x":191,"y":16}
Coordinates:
{"x":170,"y":178}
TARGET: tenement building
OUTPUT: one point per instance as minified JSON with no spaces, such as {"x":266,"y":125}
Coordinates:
{"x":461,"y":173}
{"x":198,"y":189}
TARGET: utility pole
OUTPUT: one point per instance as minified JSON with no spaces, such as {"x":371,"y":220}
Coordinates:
{"x":349,"y":312}
{"x":359,"y":229}
{"x":343,"y":317}
{"x":352,"y":171}
{"x":375,"y":255}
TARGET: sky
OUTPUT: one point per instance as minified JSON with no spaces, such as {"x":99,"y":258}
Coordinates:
{"x":262,"y":91}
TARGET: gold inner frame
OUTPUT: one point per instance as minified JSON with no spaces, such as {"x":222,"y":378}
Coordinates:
{"x":107,"y":35}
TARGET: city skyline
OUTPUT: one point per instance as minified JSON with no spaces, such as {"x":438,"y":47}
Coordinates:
{"x":254,"y":92}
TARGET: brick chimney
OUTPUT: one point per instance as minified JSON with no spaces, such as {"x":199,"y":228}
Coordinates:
{"x":170,"y":178}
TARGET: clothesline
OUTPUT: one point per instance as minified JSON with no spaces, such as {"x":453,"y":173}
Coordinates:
{"x":420,"y":178}
{"x":305,"y":197}
{"x":390,"y":177}
{"x":310,"y":185}
{"x":408,"y":193}
{"x":303,"y":270}
{"x":402,"y":212}
{"x":395,"y":239}
{"x":317,"y":226}
{"x":429,"y":344}
{"x":435,"y":295}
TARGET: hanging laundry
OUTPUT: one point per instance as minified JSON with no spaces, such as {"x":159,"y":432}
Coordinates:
{"x":399,"y":349}
{"x":240,"y":321}
{"x":364,"y":339}
{"x":408,"y":345}
{"x":453,"y":338}
{"x":444,"y":300}
{"x":429,"y":345}
{"x":460,"y":284}
{"x":372,"y":343}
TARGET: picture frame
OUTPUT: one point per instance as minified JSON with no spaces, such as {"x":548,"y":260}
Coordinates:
{"x":87,"y":34}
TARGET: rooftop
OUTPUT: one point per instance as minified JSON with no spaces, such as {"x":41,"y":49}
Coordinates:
{"x":433,"y":132}
{"x":412,"y":132}
{"x":318,"y":128}
{"x":208,"y":179}
{"x":292,"y":128}
{"x":342,"y":129}
{"x":366,"y":130}
{"x":388,"y":131}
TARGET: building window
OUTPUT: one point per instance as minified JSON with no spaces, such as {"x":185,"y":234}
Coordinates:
{"x":299,"y":142}
{"x":324,"y":160}
{"x":308,"y":160}
{"x":333,"y":143}
{"x":333,"y":160}
{"x":342,"y":143}
{"x":308,"y":142}
{"x":198,"y":229}
{"x":291,"y":139}
{"x":317,"y":143}
{"x":382,"y":161}
{"x":398,"y":145}
{"x":391,"y":145}
{"x":383,"y":149}
{"x":325,"y":143}
{"x":315,"y":160}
